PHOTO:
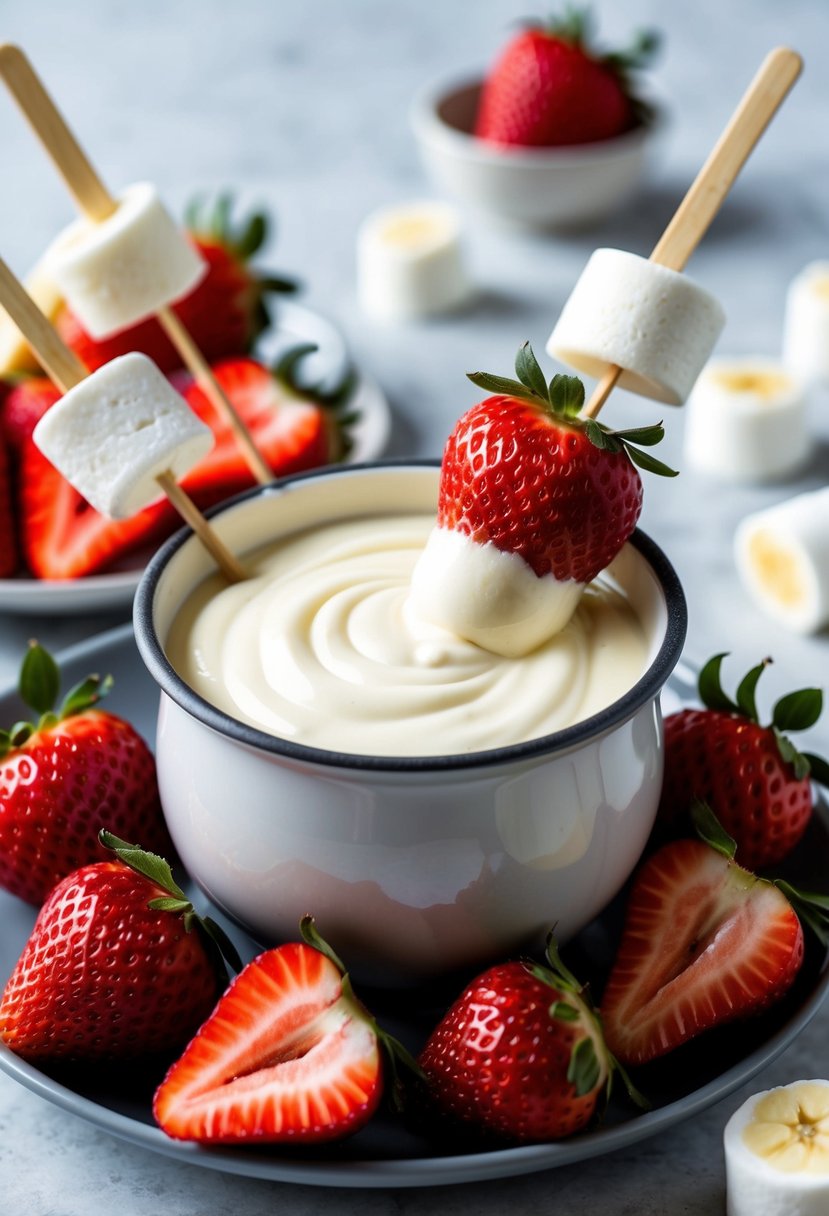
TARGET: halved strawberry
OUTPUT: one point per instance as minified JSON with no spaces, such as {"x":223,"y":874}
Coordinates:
{"x":224,"y":314}
{"x":288,"y":1054}
{"x":8,"y":530}
{"x":705,"y":942}
{"x":62,"y":536}
{"x":294,"y":427}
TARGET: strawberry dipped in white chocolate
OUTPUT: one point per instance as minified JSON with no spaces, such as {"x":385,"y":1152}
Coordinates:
{"x":534,"y":503}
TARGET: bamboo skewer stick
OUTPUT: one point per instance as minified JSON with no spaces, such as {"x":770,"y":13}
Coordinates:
{"x":66,"y":370}
{"x":692,"y":218}
{"x":96,"y":203}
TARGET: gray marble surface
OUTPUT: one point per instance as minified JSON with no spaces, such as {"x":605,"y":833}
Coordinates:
{"x":304,"y":107}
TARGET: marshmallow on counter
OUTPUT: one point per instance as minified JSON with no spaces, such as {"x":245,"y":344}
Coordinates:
{"x":125,"y":268}
{"x":409,"y":262}
{"x":488,"y":596}
{"x":746,"y":420}
{"x":628,"y":312}
{"x":782,"y":556}
{"x":806,"y":324}
{"x":777,"y":1152}
{"x":117,"y":430}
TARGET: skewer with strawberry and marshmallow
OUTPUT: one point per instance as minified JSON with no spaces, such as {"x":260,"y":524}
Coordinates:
{"x":537,"y":497}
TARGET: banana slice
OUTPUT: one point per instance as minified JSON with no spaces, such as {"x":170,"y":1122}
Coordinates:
{"x":806,"y":323}
{"x":15,"y":353}
{"x":777,"y":1152}
{"x":746,"y":420}
{"x":782,"y":557}
{"x":409,"y":261}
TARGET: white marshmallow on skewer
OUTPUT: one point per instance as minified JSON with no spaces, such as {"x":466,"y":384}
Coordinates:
{"x":409,"y":261}
{"x":746,"y":420}
{"x":806,"y":324}
{"x":125,"y":268}
{"x":626,"y":311}
{"x":487,"y":596}
{"x":782,"y":556}
{"x":777,"y":1152}
{"x":117,"y":430}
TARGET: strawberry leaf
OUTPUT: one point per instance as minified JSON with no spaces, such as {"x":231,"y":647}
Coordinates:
{"x":649,"y":463}
{"x":584,"y":1070}
{"x":529,"y":373}
{"x":710,"y":830}
{"x":84,"y":695}
{"x":710,"y":687}
{"x":791,"y":755}
{"x":798,"y":710}
{"x":812,"y":909}
{"x":502,"y":385}
{"x":149,"y":864}
{"x":601,"y":436}
{"x":312,"y":937}
{"x":39,"y":679}
{"x":562,"y":1011}
{"x":566,"y":395}
{"x":818,"y":768}
{"x":642,"y":436}
{"x":746,"y":689}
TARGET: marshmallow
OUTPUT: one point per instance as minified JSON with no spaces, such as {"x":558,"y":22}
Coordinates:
{"x":126,"y":267}
{"x":746,"y":420}
{"x":777,"y":1152}
{"x":116,"y":431}
{"x":488,"y":596}
{"x":655,"y":323}
{"x":782,"y":556}
{"x":409,"y":262}
{"x":806,"y":324}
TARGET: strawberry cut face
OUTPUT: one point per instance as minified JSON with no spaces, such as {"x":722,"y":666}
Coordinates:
{"x":287,"y":1055}
{"x":705,"y":942}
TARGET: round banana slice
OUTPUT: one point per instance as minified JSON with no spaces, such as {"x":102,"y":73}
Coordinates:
{"x":777,"y":1152}
{"x":782,"y":558}
{"x":126,"y":267}
{"x":746,"y":420}
{"x":806,"y":324}
{"x":409,"y":262}
{"x":656,"y":324}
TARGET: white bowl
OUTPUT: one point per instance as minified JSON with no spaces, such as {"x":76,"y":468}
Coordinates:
{"x":411,"y":865}
{"x":572,"y":186}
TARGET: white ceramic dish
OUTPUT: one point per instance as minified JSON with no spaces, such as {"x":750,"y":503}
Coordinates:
{"x":536,"y":187}
{"x":385,"y":1155}
{"x":114,"y":590}
{"x":415,"y":864}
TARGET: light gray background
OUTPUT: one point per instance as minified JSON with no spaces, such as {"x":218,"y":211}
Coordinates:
{"x":304,"y":107}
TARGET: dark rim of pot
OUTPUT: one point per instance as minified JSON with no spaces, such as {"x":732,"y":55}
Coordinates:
{"x":645,"y":689}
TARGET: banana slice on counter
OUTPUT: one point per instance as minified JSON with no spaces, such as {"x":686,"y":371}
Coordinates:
{"x":806,"y":323}
{"x":782,"y":557}
{"x":409,"y":261}
{"x":746,"y":420}
{"x":777,"y":1152}
{"x":15,"y":353}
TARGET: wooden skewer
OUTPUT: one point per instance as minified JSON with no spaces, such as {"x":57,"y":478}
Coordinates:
{"x":778,"y":72}
{"x":96,"y":203}
{"x":66,"y":370}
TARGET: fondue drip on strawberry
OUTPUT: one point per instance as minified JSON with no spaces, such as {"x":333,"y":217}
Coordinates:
{"x":534,"y":503}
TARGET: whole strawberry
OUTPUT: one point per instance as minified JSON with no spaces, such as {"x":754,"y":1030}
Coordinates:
{"x":118,"y":965}
{"x":753,"y":778}
{"x":705,"y":942}
{"x":65,"y":776}
{"x":549,"y":88}
{"x":224,"y":314}
{"x":524,"y":472}
{"x":520,"y":1054}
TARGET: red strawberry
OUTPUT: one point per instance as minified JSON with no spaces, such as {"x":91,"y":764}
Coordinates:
{"x":522,"y":471}
{"x":288,"y":1055}
{"x":24,"y":404}
{"x":224,"y":314}
{"x":705,"y":942}
{"x":294,"y":427}
{"x":8,"y":531}
{"x":117,"y":965}
{"x":752,"y":777}
{"x":520,"y":1054}
{"x":549,"y":88}
{"x":63,"y":537}
{"x":66,"y":776}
